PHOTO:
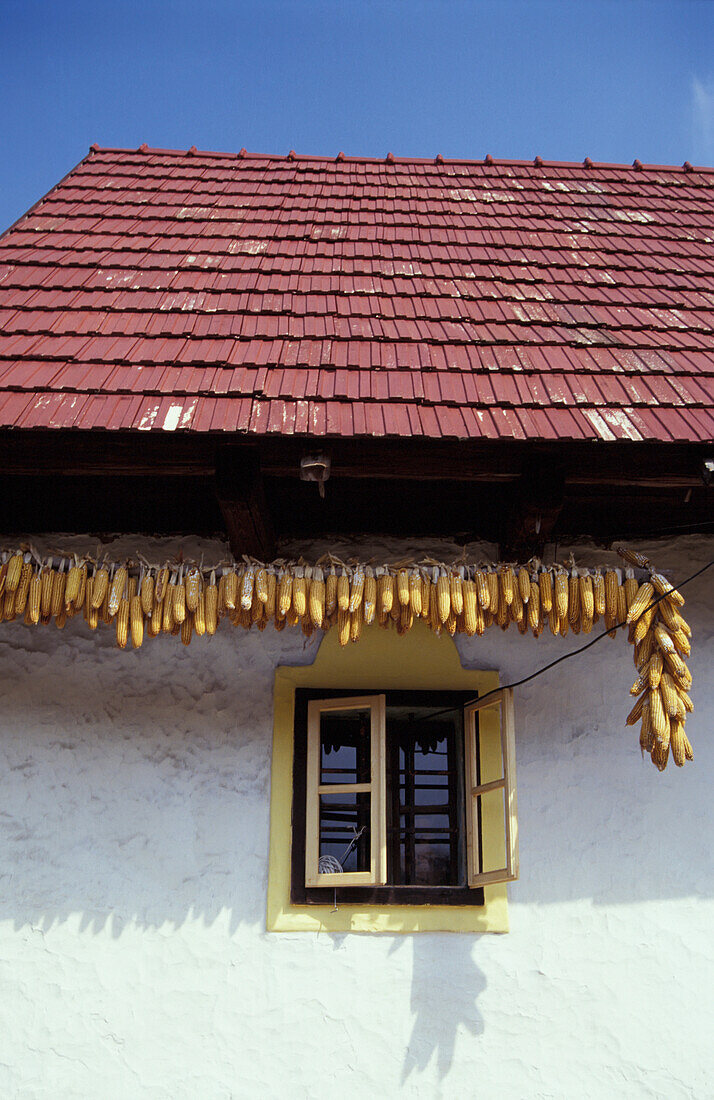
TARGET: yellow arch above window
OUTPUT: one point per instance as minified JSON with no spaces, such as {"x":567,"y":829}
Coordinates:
{"x":381,"y":661}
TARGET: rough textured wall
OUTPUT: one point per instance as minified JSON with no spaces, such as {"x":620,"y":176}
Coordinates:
{"x":133,"y":846}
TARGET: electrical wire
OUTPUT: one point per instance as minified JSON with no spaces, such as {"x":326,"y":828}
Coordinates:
{"x":567,"y":656}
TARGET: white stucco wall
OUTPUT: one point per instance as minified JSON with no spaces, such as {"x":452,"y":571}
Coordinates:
{"x":133,"y":872}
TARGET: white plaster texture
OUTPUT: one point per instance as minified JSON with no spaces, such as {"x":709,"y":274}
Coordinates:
{"x":133,"y":872}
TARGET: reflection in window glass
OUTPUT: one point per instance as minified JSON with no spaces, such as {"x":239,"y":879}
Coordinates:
{"x":426,"y":831}
{"x":344,"y":831}
{"x":345,"y":746}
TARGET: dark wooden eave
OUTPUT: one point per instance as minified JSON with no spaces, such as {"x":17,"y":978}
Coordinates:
{"x":519,"y":494}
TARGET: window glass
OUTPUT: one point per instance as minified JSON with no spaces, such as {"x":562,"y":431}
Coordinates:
{"x":425,"y":790}
{"x":345,"y":746}
{"x":344,"y":832}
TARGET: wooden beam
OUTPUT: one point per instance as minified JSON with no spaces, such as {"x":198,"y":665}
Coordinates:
{"x":536,"y":503}
{"x":241,"y":496}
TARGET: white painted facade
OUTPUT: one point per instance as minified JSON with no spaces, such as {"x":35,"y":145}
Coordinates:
{"x":134,"y":961}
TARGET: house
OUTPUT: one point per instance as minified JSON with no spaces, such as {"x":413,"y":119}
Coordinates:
{"x":303,"y":392}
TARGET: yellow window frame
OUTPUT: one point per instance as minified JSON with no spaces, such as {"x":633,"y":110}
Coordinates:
{"x":380,"y":661}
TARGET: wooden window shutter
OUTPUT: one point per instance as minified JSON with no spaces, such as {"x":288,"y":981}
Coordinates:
{"x":335,"y":809}
{"x":491,"y":813}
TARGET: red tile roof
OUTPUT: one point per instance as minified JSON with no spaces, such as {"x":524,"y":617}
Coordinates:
{"x":164,"y":290}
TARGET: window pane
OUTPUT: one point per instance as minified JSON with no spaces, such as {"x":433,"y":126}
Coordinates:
{"x":345,"y":832}
{"x":426,"y":848}
{"x":491,"y":816}
{"x":488,"y":766}
{"x":345,"y":746}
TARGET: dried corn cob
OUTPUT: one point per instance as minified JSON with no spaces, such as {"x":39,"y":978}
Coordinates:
{"x":456,"y":592}
{"x":443,"y":596}
{"x":641,"y":602}
{"x":199,"y":615}
{"x":561,"y":594}
{"x":524,"y":585}
{"x":425,"y":596}
{"x":643,"y":624}
{"x":193,"y":587}
{"x":285,"y":593}
{"x":356,"y":590}
{"x":331,"y":593}
{"x":343,"y":626}
{"x":186,"y":629}
{"x":493,"y":591}
{"x":8,"y":611}
{"x":317,"y":598}
{"x":355,"y":623}
{"x":587,"y":596}
{"x":122,"y":622}
{"x":343,"y":591}
{"x":147,"y":593}
{"x":212,"y":605}
{"x":168,"y":622}
{"x":633,"y":557}
{"x":515,"y":609}
{"x":621,"y":615}
{"x":232,"y":591}
{"x":34,"y":598}
{"x":261,"y":585}
{"x":534,"y":607}
{"x":117,"y":589}
{"x":636,"y":711}
{"x":631,"y":588}
{"x":508,"y":583}
{"x":71,"y":591}
{"x":270,"y":603}
{"x":664,"y":588}
{"x":369,"y":602}
{"x":545,"y":585}
{"x":483,"y":589}
{"x":14,"y":568}
{"x":299,"y":593}
{"x":677,"y":743}
{"x":179,"y":595}
{"x":415,"y":590}
{"x":573,"y":597}
{"x":59,"y":582}
{"x":611,"y":586}
{"x":23,"y":588}
{"x":246,"y":590}
{"x":99,"y":587}
{"x":403,"y":586}
{"x":471,"y":605}
{"x":670,"y":695}
{"x":658,"y":715}
{"x":136,"y":621}
{"x":385,"y":592}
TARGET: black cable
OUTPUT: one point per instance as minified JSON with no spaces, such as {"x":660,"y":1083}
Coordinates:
{"x":567,"y":656}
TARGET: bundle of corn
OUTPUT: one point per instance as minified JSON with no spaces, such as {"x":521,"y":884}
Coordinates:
{"x":142,"y":601}
{"x":660,"y":637}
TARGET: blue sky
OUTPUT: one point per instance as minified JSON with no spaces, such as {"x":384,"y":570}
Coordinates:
{"x":610,"y":79}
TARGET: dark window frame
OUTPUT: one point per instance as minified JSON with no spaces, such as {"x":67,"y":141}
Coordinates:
{"x":367,"y":895}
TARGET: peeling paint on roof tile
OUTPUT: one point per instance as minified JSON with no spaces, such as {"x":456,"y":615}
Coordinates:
{"x":211,"y":293}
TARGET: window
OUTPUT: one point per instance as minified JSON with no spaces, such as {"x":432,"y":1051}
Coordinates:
{"x":392,"y":791}
{"x":413,"y":671}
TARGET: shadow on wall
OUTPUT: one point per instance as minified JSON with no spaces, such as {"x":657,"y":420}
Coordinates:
{"x":135,"y":787}
{"x":446,"y":983}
